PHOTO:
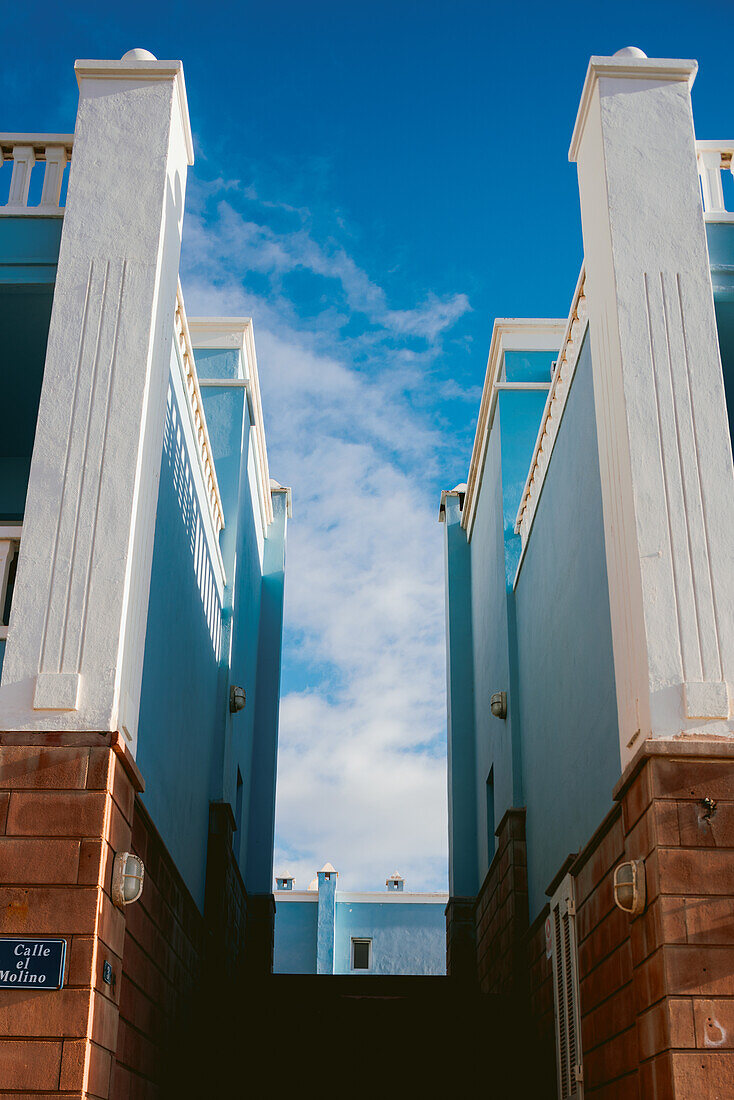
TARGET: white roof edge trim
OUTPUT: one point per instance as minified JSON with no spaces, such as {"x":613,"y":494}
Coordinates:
{"x":508,"y":334}
{"x":555,"y":406}
{"x":237,"y":333}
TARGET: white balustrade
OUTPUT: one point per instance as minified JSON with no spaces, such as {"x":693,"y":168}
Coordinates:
{"x":191,"y":382}
{"x":25,"y":151}
{"x":714,"y":157}
{"x":9,"y":545}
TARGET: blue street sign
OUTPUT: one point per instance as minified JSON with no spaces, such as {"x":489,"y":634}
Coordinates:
{"x":31,"y":962}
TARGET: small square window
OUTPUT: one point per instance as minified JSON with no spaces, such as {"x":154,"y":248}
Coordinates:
{"x":361,"y":954}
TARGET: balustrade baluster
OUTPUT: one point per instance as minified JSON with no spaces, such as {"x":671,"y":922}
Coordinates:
{"x":23,"y":160}
{"x":709,"y":168}
{"x":53,"y":177}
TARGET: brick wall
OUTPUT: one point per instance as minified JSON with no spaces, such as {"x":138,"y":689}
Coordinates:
{"x":607,"y":996}
{"x":66,"y":805}
{"x":161,"y":969}
{"x":542,"y":1020}
{"x":678,"y":811}
{"x":501,"y":912}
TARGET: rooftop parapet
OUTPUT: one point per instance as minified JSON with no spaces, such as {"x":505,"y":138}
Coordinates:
{"x":26,"y":151}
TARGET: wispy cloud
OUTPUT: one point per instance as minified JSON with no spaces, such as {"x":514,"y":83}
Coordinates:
{"x":362,"y":745}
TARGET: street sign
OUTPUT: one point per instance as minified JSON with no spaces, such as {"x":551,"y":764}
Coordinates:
{"x":31,"y":962}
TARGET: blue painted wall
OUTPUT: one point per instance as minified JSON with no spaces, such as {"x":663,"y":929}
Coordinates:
{"x":407,"y":938}
{"x":191,"y":749}
{"x":295,"y":937}
{"x":570,"y":744}
{"x":326,"y":922}
{"x":181,"y":697}
{"x":29,"y":252}
{"x":721,"y":254}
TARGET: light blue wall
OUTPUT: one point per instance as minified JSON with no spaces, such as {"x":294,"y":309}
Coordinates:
{"x":295,"y":937}
{"x":191,"y":749}
{"x":29,"y":251}
{"x":461,"y":754}
{"x":325,"y":923}
{"x":721,"y":253}
{"x":570,"y":744}
{"x":181,"y":697}
{"x":406,"y":939}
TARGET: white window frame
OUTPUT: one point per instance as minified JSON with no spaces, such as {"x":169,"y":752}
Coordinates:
{"x":368,"y":941}
{"x":566,"y":1006}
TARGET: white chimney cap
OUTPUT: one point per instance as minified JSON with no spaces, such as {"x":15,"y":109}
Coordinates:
{"x":630,"y":51}
{"x":329,"y":869}
{"x":139,"y":55}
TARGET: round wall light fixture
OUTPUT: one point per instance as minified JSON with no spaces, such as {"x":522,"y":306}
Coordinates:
{"x":237,"y":699}
{"x":630,"y":893}
{"x":128,"y":872}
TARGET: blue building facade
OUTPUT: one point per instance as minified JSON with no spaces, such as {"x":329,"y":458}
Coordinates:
{"x":323,"y":930}
{"x":142,"y":571}
{"x":586,"y":579}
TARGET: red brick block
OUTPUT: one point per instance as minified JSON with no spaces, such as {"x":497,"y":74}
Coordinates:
{"x":696,"y":871}
{"x":62,"y":813}
{"x":667,"y":1024}
{"x":702,"y":970}
{"x":642,"y":838}
{"x":80,"y":961}
{"x":59,"y":1014}
{"x":42,"y":910}
{"x":613,"y":1016}
{"x":4,"y":803}
{"x":662,"y":922}
{"x":702,"y":1075}
{"x":667,"y":833}
{"x":656,"y":1079}
{"x":714,"y":1023}
{"x":119,"y":832}
{"x":29,"y":860}
{"x":687,"y":778}
{"x":701,"y":827}
{"x":111,"y":926}
{"x":636,"y":798}
{"x":95,"y":864}
{"x":100,"y":763}
{"x":29,"y":1064}
{"x":43,"y":768}
{"x":612,"y":1060}
{"x":605,"y":938}
{"x":709,"y":920}
{"x":650,"y":980}
{"x":105,"y":1018}
{"x":122,"y":790}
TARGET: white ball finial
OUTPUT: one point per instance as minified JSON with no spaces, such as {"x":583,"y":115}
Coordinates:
{"x":139,"y":55}
{"x":630,"y":51}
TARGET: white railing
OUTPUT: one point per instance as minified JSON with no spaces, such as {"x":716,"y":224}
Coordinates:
{"x":191,"y":382}
{"x":9,"y":546}
{"x":555,"y":404}
{"x":25,"y":151}
{"x":714,"y":157}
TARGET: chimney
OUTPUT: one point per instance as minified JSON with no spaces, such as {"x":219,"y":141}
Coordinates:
{"x":395,"y":882}
{"x":284,"y":882}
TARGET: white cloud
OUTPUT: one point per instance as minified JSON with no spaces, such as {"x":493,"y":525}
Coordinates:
{"x":362,"y":751}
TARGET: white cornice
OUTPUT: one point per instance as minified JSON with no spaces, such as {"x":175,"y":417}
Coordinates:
{"x":386,"y":897}
{"x":508,"y":334}
{"x":634,"y":68}
{"x":143,"y":70}
{"x":237,"y":333}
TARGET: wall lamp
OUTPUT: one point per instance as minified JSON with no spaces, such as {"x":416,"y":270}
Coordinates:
{"x":630,"y":893}
{"x":237,"y":699}
{"x":128,"y":872}
{"x":498,"y":704}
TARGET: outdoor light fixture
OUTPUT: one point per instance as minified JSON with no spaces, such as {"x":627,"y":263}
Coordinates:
{"x":498,"y":704}
{"x":236,"y":699}
{"x":128,"y":872}
{"x":629,"y":886}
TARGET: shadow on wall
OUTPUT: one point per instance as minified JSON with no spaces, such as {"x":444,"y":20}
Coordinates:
{"x":174,"y":453}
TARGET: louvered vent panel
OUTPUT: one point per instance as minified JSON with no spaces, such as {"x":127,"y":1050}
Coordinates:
{"x":566,"y":996}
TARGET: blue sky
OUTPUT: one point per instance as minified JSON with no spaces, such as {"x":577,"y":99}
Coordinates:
{"x":374,"y":183}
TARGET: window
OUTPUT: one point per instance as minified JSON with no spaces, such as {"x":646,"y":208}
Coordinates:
{"x":566,"y":992}
{"x":238,"y":803}
{"x":491,"y":838}
{"x":361,"y":954}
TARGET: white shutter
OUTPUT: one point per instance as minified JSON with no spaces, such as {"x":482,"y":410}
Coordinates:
{"x":566,"y":992}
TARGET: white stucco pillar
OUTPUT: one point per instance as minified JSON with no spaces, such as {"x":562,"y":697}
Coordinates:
{"x":77,"y":628}
{"x":664,"y":448}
